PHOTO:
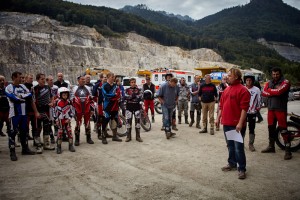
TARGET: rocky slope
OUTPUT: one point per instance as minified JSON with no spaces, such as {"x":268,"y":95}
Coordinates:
{"x":34,"y":43}
{"x":287,"y":50}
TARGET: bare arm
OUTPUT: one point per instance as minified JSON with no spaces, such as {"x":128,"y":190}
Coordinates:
{"x":36,"y":113}
{"x":161,"y":100}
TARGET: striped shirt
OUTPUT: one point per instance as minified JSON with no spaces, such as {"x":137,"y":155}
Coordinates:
{"x":17,"y":94}
{"x":255,"y":100}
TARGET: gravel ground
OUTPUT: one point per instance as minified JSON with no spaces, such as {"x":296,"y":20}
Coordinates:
{"x":185,"y":167}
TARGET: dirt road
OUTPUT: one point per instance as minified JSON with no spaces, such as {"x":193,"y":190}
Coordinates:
{"x":185,"y":167}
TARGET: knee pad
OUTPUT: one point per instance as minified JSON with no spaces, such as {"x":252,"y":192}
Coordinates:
{"x":137,"y":114}
{"x":113,"y":124}
{"x":128,"y":114}
{"x":138,"y":125}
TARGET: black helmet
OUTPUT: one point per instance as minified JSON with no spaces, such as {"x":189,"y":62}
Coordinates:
{"x":249,"y":75}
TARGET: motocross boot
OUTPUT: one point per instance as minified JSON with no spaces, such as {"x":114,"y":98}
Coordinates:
{"x":104,"y":141}
{"x":58,"y":148}
{"x":138,"y":136}
{"x":89,"y":139}
{"x":128,"y":138}
{"x":71,"y":147}
{"x":271,"y":147}
{"x":99,"y":133}
{"x":13,"y":156}
{"x":115,"y":136}
{"x":288,"y":153}
{"x":77,"y":139}
{"x":192,"y":118}
{"x":47,"y":144}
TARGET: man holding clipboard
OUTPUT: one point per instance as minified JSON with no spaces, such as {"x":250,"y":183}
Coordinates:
{"x":234,"y":105}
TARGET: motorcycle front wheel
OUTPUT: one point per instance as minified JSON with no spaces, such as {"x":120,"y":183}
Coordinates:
{"x":157,"y":107}
{"x":121,"y":126}
{"x":294,"y":130}
{"x":145,"y":121}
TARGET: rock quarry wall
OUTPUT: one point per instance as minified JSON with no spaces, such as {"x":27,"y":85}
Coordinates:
{"x":35,"y":43}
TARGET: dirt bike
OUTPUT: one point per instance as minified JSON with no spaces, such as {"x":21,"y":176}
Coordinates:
{"x":121,"y":126}
{"x":293,"y":127}
{"x":157,"y":106}
{"x":145,"y":121}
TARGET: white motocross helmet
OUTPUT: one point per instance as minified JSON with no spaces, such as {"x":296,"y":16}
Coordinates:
{"x":63,"y":90}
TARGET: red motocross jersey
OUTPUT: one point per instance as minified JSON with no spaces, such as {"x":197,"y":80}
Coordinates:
{"x":82,"y":99}
{"x":63,"y":109}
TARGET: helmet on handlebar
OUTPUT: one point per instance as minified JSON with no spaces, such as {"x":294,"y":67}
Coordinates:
{"x":148,"y":94}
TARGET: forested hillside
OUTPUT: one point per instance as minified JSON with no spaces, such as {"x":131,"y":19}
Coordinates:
{"x":232,"y":32}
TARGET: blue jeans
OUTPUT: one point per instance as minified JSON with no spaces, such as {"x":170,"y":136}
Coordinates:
{"x":167,"y":117}
{"x":236,"y":151}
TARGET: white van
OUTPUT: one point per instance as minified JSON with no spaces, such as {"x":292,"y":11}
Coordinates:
{"x":140,"y":81}
{"x":158,"y":77}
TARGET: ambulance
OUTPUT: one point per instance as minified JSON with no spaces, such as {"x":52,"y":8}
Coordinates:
{"x":158,"y":75}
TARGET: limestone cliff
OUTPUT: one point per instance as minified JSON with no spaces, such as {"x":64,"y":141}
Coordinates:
{"x":34,"y":43}
{"x":287,"y":50}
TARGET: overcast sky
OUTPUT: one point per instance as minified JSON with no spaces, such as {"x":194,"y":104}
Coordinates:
{"x":196,"y":9}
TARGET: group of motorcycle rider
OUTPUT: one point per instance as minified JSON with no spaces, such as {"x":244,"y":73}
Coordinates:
{"x":54,"y":103}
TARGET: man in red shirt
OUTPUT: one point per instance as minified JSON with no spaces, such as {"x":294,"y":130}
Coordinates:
{"x":234,"y":105}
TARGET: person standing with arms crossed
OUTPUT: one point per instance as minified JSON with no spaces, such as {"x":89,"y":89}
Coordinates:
{"x":234,"y":105}
{"x":277,"y":92}
{"x":17,"y":94}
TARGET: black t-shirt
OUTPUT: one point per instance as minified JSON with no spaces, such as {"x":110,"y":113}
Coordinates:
{"x":42,"y":97}
{"x":61,"y":84}
{"x":4,"y":105}
{"x":28,"y":101}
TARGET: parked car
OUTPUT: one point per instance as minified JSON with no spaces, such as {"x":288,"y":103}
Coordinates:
{"x":295,"y":93}
{"x":93,"y":81}
{"x":291,"y":96}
